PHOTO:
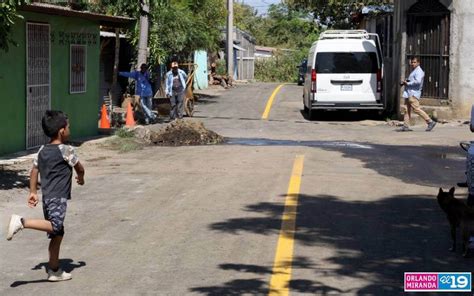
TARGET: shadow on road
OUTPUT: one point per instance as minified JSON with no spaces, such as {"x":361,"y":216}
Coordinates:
{"x":10,"y":179}
{"x":437,"y":166}
{"x":375,"y":241}
{"x":344,"y":116}
{"x":427,"y":165}
{"x":67,"y":265}
{"x":205,"y":99}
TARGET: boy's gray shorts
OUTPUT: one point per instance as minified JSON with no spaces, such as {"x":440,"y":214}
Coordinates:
{"x":54,"y":210}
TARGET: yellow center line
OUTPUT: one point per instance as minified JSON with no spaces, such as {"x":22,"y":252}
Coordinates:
{"x":270,"y":102}
{"x":281,"y":273}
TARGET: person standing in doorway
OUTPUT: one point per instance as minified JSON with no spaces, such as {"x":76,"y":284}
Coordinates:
{"x":412,"y":94}
{"x":143,"y":89}
{"x":175,"y":87}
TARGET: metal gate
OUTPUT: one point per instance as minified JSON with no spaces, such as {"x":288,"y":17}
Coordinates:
{"x":428,"y":37}
{"x":37,"y":81}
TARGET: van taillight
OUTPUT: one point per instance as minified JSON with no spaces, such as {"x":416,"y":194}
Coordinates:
{"x":379,"y":80}
{"x":313,"y":80}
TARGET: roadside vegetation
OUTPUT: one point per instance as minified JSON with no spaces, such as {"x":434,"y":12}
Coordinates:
{"x":288,"y":29}
{"x":291,"y":27}
{"x":8,"y":17}
{"x":124,"y":141}
{"x":179,"y":27}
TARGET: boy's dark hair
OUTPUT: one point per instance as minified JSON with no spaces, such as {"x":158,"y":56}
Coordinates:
{"x":52,"y":122}
{"x":417,"y":58}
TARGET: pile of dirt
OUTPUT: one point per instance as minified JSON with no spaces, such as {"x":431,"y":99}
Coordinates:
{"x":185,"y":132}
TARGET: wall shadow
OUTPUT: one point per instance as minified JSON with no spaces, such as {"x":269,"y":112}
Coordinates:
{"x":375,"y":241}
{"x":11,"y":179}
{"x":427,"y":165}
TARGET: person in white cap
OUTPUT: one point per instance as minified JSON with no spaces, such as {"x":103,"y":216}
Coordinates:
{"x":175,"y":87}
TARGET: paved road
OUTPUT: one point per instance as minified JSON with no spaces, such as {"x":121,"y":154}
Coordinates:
{"x":207,"y":220}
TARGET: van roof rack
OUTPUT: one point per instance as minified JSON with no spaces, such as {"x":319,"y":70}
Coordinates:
{"x":344,"y":34}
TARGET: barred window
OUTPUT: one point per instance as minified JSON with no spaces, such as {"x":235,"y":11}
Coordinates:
{"x":78,"y":69}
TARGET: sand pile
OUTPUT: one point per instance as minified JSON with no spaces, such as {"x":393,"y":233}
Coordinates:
{"x":185,"y":132}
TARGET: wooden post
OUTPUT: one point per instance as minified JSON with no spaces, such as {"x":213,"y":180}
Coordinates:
{"x":115,"y":92}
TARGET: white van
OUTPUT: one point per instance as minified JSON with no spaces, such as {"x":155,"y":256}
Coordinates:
{"x":344,"y":72}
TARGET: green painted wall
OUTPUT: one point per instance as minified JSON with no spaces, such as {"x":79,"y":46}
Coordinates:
{"x":81,"y":108}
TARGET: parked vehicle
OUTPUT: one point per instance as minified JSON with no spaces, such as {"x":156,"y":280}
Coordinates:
{"x":344,"y":72}
{"x":301,"y":71}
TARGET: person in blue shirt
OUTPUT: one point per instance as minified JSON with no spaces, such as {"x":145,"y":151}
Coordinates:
{"x":143,"y":89}
{"x":175,"y":87}
{"x":412,"y":94}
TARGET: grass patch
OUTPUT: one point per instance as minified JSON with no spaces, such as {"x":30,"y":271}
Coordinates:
{"x":124,"y":133}
{"x":123,"y":144}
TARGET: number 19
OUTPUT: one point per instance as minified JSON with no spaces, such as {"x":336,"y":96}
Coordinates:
{"x":458,"y":282}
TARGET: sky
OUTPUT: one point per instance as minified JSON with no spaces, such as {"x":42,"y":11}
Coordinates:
{"x":260,"y":5}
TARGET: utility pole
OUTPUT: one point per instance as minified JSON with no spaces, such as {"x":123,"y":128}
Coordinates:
{"x":143,"y":41}
{"x":230,"y":39}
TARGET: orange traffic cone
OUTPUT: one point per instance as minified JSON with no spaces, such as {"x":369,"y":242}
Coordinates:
{"x":129,"y":121}
{"x":104,"y":118}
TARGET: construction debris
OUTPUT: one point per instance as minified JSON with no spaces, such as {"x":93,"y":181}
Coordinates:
{"x":185,"y":132}
{"x":394,"y":123}
{"x":177,"y":133}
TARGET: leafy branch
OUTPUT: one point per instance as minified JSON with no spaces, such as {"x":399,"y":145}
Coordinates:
{"x":8,"y":16}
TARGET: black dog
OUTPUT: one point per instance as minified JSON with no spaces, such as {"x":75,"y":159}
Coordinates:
{"x":459,"y":215}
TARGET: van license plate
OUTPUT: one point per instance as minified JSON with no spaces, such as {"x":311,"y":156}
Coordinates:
{"x":346,"y":87}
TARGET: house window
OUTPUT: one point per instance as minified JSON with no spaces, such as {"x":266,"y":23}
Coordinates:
{"x":77,"y":81}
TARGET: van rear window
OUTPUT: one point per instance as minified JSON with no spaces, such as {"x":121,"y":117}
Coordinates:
{"x":346,"y":62}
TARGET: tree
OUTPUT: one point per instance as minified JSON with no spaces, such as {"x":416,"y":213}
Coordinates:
{"x":338,"y":14}
{"x":8,"y":16}
{"x":284,"y":26}
{"x":290,"y":28}
{"x":176,"y":27}
{"x":246,"y":18}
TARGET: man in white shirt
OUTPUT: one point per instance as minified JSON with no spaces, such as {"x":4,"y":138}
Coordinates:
{"x":412,"y":94}
{"x":175,"y":88}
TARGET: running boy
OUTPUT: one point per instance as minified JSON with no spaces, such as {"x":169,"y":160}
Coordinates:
{"x":54,"y":162}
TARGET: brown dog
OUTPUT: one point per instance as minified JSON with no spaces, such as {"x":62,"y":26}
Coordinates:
{"x":459,"y":215}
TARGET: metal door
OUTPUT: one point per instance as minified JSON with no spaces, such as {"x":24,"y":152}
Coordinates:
{"x":37,"y":81}
{"x":200,"y":78}
{"x":428,"y":38}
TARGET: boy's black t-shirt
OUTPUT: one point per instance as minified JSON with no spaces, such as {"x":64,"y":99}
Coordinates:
{"x":55,"y":163}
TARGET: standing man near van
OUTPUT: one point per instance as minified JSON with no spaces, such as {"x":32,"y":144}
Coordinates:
{"x":412,"y":94}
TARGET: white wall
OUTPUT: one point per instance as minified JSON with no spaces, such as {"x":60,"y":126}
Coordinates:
{"x":461,"y":78}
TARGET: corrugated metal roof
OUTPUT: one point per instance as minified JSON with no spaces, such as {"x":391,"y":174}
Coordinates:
{"x":111,"y":34}
{"x":115,"y":21}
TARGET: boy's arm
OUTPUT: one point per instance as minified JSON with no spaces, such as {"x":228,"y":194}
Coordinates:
{"x":80,"y":171}
{"x":33,"y":196}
